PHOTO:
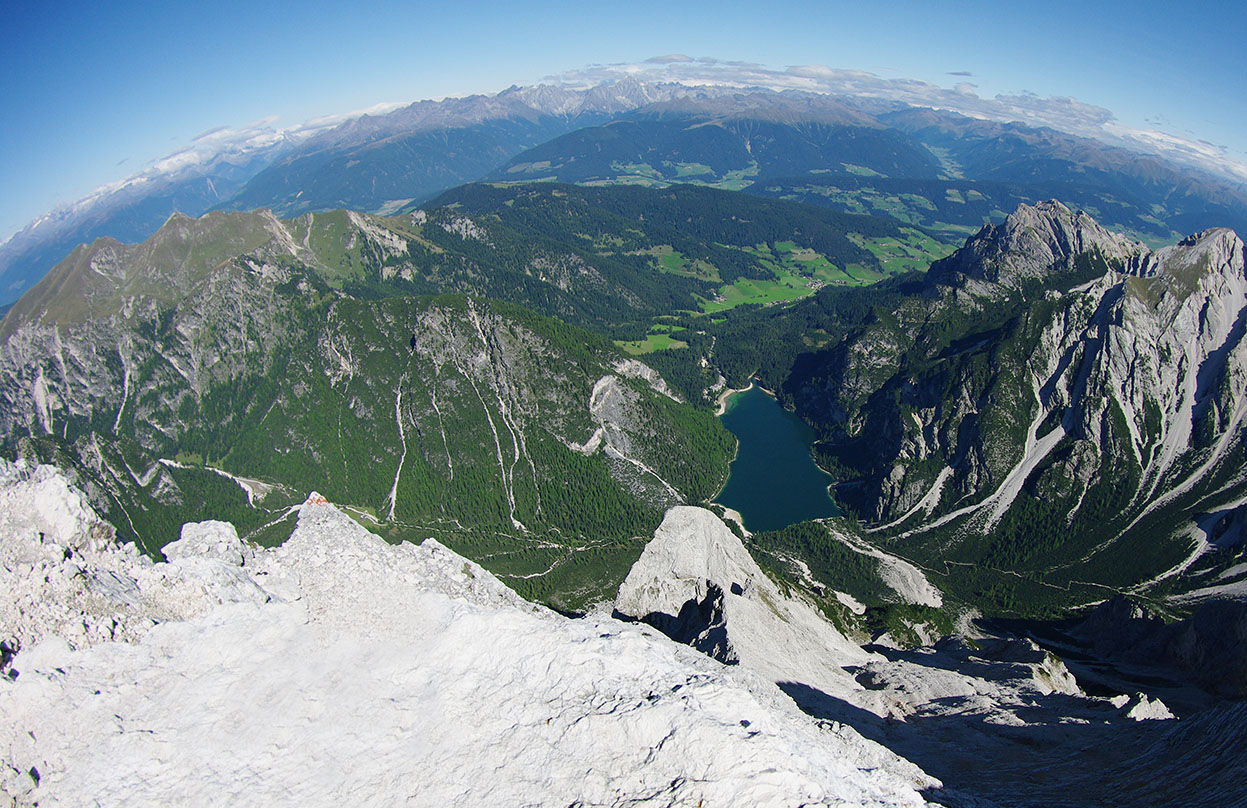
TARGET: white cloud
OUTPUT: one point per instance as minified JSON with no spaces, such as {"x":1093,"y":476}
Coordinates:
{"x":325,"y":121}
{"x":228,"y":143}
{"x":812,"y":71}
{"x":1195,"y":152}
{"x":668,"y":59}
{"x":207,"y":134}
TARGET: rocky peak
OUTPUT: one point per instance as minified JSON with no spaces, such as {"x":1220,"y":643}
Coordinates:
{"x":696,"y":582}
{"x":371,"y":655}
{"x":97,"y":280}
{"x":1205,"y":261}
{"x":1031,"y":243}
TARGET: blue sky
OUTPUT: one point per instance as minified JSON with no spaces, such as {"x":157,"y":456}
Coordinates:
{"x":93,"y":92}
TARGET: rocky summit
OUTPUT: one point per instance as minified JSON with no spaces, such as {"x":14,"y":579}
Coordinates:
{"x":339,"y":668}
{"x":1058,"y":400}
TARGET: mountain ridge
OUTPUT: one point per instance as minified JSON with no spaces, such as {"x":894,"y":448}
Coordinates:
{"x":1011,"y":390}
{"x":537,"y":700}
{"x":393,"y":151}
{"x":173,"y":361}
{"x":1119,"y":382}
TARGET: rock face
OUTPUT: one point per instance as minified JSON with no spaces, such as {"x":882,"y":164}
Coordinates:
{"x":347,"y":669}
{"x":1208,"y":649}
{"x":144,"y":336}
{"x":378,"y":674}
{"x":1060,"y":398}
{"x":211,"y":539}
{"x":698,"y":584}
{"x":231,"y":347}
{"x":1029,"y":245}
{"x":63,"y":574}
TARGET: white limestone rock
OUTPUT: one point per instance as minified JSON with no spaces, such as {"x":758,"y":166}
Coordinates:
{"x":1142,"y":708}
{"x":696,"y":581}
{"x":210,"y":539}
{"x":997,"y":678}
{"x":60,"y":571}
{"x":63,"y":573}
{"x":1032,"y":242}
{"x":406,"y":675}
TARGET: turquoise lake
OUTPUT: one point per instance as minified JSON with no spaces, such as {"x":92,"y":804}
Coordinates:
{"x":773,"y":481}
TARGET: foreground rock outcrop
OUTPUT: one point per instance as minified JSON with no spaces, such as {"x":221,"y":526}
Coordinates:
{"x":997,"y":718}
{"x":696,"y":582}
{"x":356,"y":672}
{"x":339,"y":669}
{"x":63,"y":574}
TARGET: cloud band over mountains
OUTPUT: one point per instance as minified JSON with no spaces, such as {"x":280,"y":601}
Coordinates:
{"x":1062,"y":113}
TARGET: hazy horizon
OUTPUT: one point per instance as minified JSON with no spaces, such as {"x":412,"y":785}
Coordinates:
{"x":100,"y":94}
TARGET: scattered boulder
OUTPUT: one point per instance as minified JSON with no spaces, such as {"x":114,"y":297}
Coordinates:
{"x":1141,"y":708}
{"x":211,"y":539}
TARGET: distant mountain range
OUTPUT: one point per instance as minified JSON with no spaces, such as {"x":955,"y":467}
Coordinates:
{"x":934,"y":168}
{"x":853,"y":154}
{"x":412,"y":152}
{"x":1001,"y":403}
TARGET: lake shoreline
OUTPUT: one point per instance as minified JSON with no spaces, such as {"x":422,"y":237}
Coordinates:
{"x":721,"y":406}
{"x":773,"y":480}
